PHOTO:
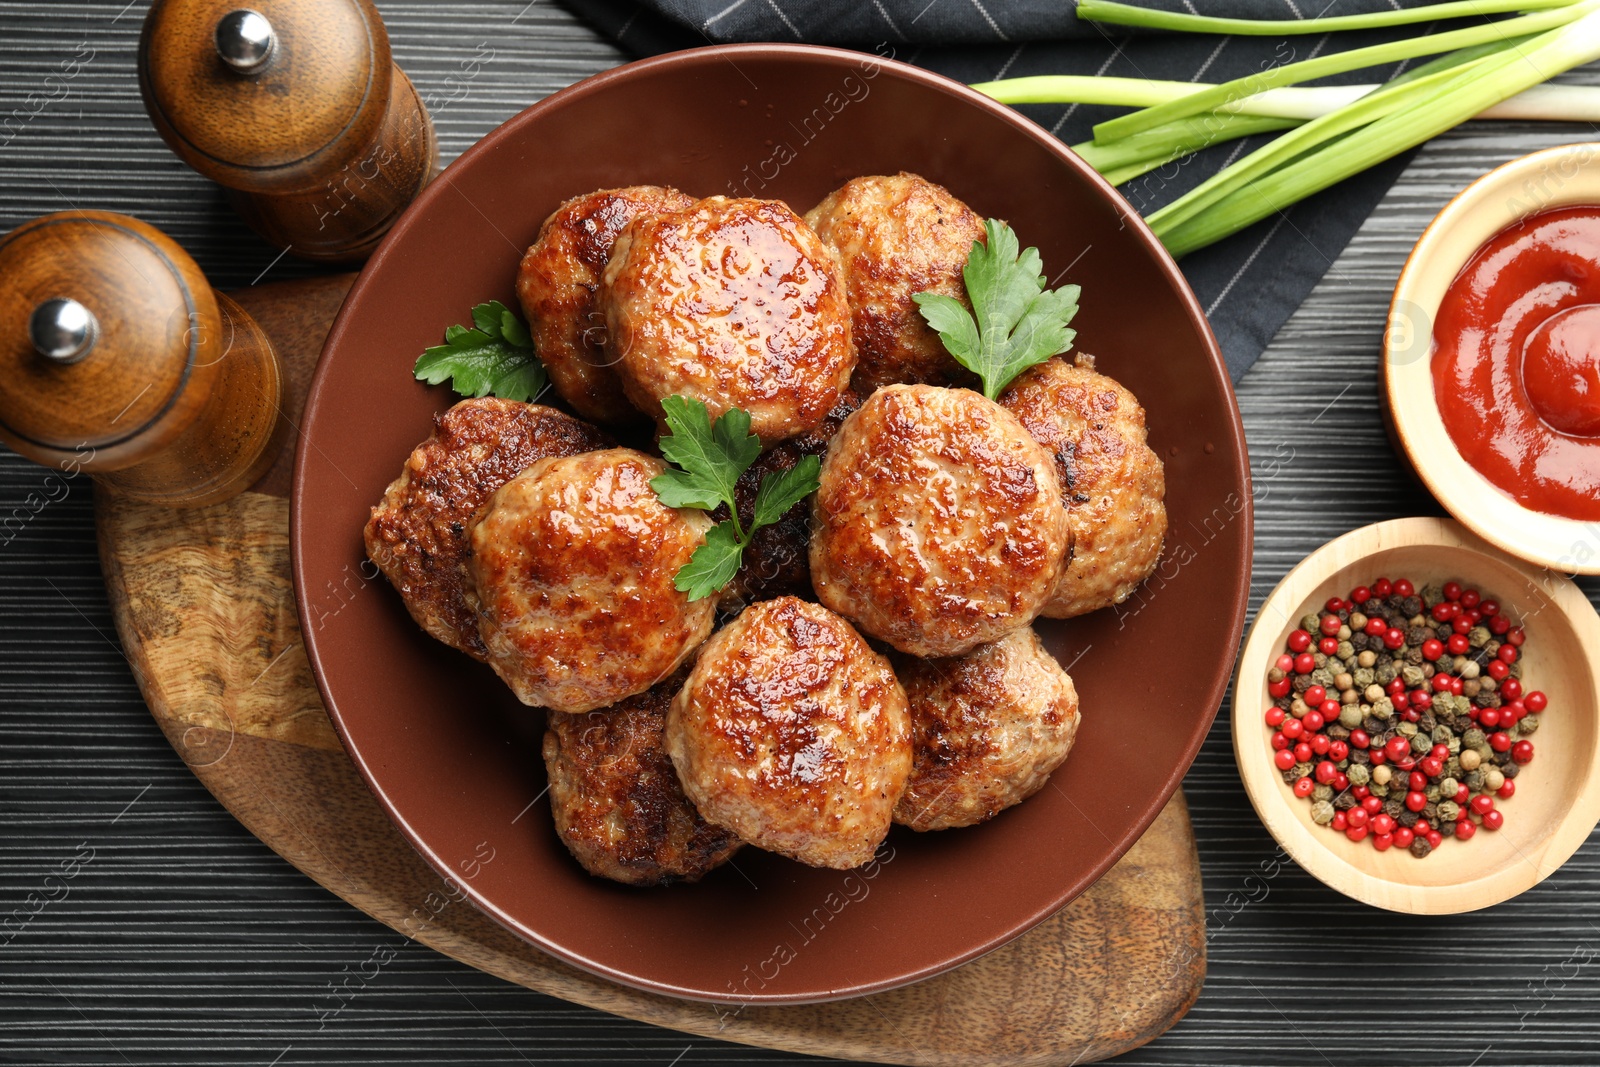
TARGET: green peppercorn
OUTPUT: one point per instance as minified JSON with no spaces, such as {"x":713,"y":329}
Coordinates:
{"x":1347,"y":651}
{"x":1475,"y":780}
{"x":1448,"y":786}
{"x":1386,"y":673}
{"x":1412,"y":676}
{"x":1309,"y":623}
{"x":1448,"y":810}
{"x":1322,"y":792}
{"x":1360,"y":775}
{"x":1473,"y":738}
{"x":1420,"y":743}
{"x":1350,"y":717}
{"x":1406,"y":729}
{"x":1528,"y":725}
{"x":1432,"y":792}
{"x":1478,"y":636}
{"x":1322,"y":813}
{"x":1383,"y":708}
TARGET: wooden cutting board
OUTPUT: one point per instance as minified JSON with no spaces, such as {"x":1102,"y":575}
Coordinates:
{"x":204,"y":605}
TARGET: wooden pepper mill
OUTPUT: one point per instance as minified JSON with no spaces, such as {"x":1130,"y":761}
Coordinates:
{"x":118,"y":359}
{"x":297,"y":107}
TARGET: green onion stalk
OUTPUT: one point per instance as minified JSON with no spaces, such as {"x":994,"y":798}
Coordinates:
{"x":1493,"y":70}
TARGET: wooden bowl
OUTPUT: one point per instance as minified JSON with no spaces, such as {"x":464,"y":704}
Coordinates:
{"x":1557,"y":802}
{"x":454,"y":758}
{"x":1553,"y":178}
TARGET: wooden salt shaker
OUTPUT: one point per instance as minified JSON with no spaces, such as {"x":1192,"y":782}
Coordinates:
{"x":297,"y":107}
{"x":119,"y":360}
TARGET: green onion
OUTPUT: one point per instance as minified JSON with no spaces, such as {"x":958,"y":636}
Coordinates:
{"x":1442,"y":106}
{"x":1146,"y":18}
{"x":1226,"y":97}
{"x":1130,"y":157}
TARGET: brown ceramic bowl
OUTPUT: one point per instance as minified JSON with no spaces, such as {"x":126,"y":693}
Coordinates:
{"x":1557,"y":801}
{"x":455,"y":759}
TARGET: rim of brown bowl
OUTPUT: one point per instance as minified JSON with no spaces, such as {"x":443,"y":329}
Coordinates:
{"x":911,"y":933}
{"x":1557,"y":802}
{"x":1551,"y":178}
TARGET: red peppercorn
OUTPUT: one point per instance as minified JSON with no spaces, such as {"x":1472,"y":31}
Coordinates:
{"x":1396,"y":749}
{"x":1279,"y":690}
{"x":1465,"y":828}
{"x":1456,"y":686}
{"x":1283,"y":759}
{"x":1329,"y":625}
{"x":1357,"y":817}
{"x":1281,"y":742}
{"x":1403,"y":703}
{"x":1338,"y":822}
{"x":1507,"y":790}
{"x":1512,"y":689}
{"x":1463,"y":793}
{"x":1421,"y":699}
{"x":1516,"y":636}
{"x":1358,"y":738}
{"x":1482,"y":803}
{"x":1382,"y":824}
{"x":1341,"y":782}
{"x":1470,"y":598}
{"x":1493,"y":820}
{"x":1458,"y":644}
{"x":1299,"y":641}
{"x":1432,"y":767}
{"x":1414,"y":800}
{"x":1315,"y":695}
{"x":1361,"y":793}
{"x":1305,"y":663}
{"x":1377,"y":757}
{"x":1330,"y":710}
{"x":1522,"y":752}
{"x":1498,"y":669}
{"x":1489,"y":607}
{"x":1382,"y":587}
{"x":1423,"y":826}
{"x":1293,"y":728}
{"x":1321,"y":744}
{"x":1418,"y":780}
{"x":1376,"y":627}
{"x":1432,"y":649}
{"x":1312,"y":722}
{"x":1489,"y":717}
{"x":1404,"y":588}
{"x":1508,"y":653}
{"x":1396,"y":685}
{"x":1325,"y":772}
{"x":1303,"y":787}
{"x":1328,"y":646}
{"x":1360,"y":594}
{"x":1333,"y":605}
{"x":1500,"y":741}
{"x":1441,"y":683}
{"x":1275,"y":717}
{"x":1435,"y":838}
{"x":1443,"y":612}
{"x":1372,"y":804}
{"x":1285,"y":663}
{"x":1356,"y":833}
{"x":1302,"y":752}
{"x":1535,"y":701}
{"x":1338,"y":750}
{"x":1410,"y":714}
{"x":1452,"y":590}
{"x":1440,"y":751}
{"x":1403,"y":837}
{"x":1383,"y":842}
{"x":1461,"y":624}
{"x":1499,"y":625}
{"x":1393,"y":639}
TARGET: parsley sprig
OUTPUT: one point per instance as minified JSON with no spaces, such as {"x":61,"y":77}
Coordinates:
{"x":709,"y":459}
{"x":494,"y":357}
{"x":1019,"y":322}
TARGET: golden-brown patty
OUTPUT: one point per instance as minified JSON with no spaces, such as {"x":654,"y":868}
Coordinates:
{"x":1114,"y":484}
{"x":616,"y":799}
{"x":417,"y":534}
{"x":939,"y":525}
{"x":987,"y":730}
{"x":735,"y":303}
{"x":896,"y":237}
{"x":792,"y":732}
{"x":558,"y":283}
{"x":571,"y":574}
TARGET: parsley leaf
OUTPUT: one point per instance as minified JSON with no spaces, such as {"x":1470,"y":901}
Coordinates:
{"x":710,"y":457}
{"x":1019,"y":323}
{"x":493,"y":357}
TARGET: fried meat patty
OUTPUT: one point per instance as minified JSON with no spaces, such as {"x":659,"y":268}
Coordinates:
{"x":571,"y":575}
{"x":895,"y":237}
{"x":558,"y":283}
{"x":793,"y":733}
{"x":1114,"y":484}
{"x":987,"y":729}
{"x":417,"y":534}
{"x":735,"y":303}
{"x":939,"y":525}
{"x":616,"y":799}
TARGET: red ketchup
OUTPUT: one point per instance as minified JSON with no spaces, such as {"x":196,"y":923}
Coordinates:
{"x":1516,"y":362}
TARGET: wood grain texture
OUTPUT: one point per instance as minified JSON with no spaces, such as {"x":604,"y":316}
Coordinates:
{"x":206,"y":615}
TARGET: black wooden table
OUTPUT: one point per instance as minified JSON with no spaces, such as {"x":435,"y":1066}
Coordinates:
{"x":181,"y":939}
